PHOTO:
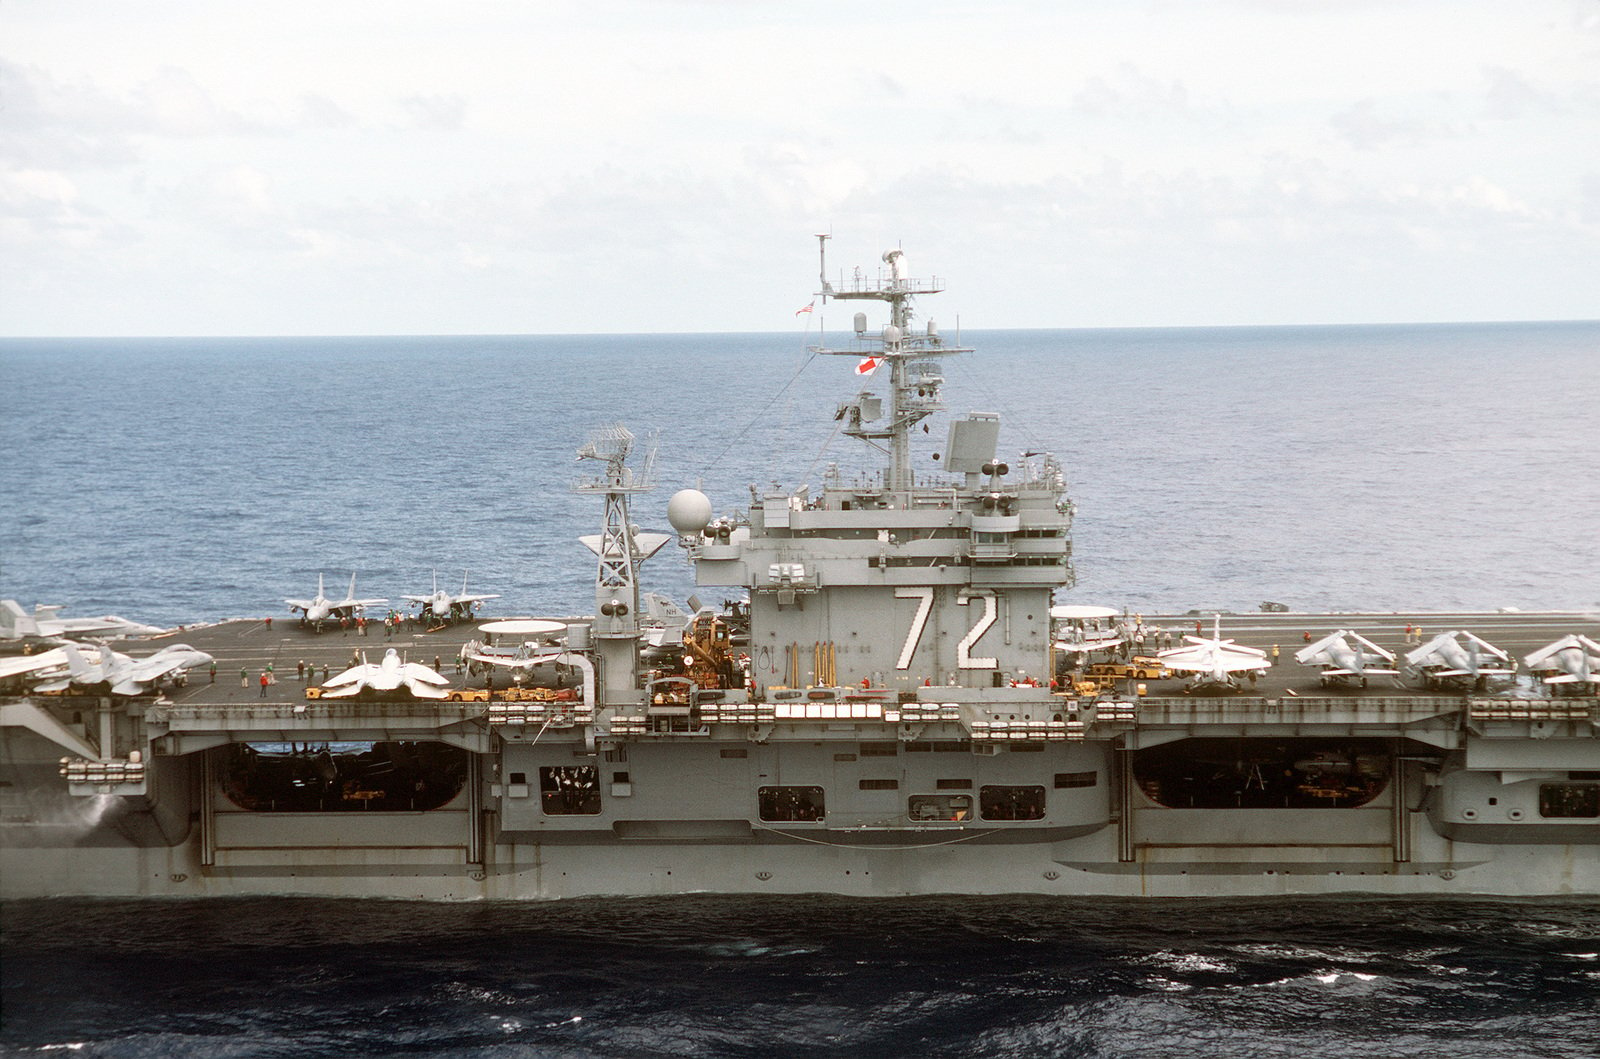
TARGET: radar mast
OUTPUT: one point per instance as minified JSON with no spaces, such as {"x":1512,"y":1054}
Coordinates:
{"x":911,"y":356}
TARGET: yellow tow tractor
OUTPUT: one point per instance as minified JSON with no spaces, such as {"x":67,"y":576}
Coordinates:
{"x":1141,"y":668}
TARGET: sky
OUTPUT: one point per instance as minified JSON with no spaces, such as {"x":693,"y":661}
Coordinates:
{"x":179,"y":167}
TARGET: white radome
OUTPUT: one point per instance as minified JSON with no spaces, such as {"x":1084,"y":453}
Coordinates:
{"x":689,"y":511}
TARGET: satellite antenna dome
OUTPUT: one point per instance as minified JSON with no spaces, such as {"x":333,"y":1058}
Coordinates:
{"x":891,"y":335}
{"x":861,"y":323}
{"x":689,"y":511}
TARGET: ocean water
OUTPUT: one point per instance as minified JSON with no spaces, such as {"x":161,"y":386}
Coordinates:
{"x":712,"y":977}
{"x":1438,"y":467}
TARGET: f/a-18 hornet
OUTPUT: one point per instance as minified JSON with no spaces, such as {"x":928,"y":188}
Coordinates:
{"x":46,"y":622}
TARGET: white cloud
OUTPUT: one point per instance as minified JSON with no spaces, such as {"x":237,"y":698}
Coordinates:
{"x":1073,"y":164}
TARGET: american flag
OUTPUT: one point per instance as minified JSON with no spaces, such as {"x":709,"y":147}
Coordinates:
{"x":805,"y":309}
{"x":868,"y":365}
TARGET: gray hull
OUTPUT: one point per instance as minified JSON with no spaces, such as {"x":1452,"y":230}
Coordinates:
{"x":1463,"y":808}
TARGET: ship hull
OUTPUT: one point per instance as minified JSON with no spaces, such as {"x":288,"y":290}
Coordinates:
{"x":1078,"y":868}
{"x":1440,"y":812}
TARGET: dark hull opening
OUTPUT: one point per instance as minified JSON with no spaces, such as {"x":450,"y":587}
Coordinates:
{"x":1263,"y":773}
{"x":335,"y":777}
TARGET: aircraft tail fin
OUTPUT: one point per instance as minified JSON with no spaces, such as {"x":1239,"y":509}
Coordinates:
{"x":15,"y":622}
{"x":77,"y":665}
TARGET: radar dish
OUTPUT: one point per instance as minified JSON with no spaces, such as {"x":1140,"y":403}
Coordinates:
{"x":612,"y":445}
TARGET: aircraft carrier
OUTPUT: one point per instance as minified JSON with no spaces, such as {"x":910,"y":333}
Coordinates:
{"x":894,"y":693}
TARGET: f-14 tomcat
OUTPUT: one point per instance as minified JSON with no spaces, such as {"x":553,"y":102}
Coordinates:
{"x":320,"y":608}
{"x":872,"y":713}
{"x":440,"y":605}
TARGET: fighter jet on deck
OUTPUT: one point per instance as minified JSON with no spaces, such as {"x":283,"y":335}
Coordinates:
{"x":46,"y":621}
{"x":1347,"y":657}
{"x":1213,"y":661}
{"x":29,"y":668}
{"x":123,"y":674}
{"x":442,"y":606}
{"x":316,"y":611}
{"x":1459,"y":657}
{"x":389,"y":675}
{"x":1572,"y":660}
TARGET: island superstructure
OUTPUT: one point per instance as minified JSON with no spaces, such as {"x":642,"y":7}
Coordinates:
{"x":890,"y":700}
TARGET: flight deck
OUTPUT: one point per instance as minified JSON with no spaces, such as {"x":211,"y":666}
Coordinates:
{"x":245,"y":649}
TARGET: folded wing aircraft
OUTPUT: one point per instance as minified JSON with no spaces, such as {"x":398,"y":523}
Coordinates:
{"x":1459,"y":657}
{"x":319,"y":609}
{"x":1347,"y":656}
{"x":41,"y":666}
{"x":1572,"y":660}
{"x":442,"y":606}
{"x":1213,"y":661}
{"x":1076,"y":635}
{"x":1090,"y":642}
{"x":391,"y":674}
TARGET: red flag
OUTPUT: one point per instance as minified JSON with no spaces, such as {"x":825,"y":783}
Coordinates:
{"x":806,"y":309}
{"x":868,"y":365}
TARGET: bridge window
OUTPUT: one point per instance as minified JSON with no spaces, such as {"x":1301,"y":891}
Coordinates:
{"x":569,"y":790}
{"x":1066,"y":780}
{"x":1569,"y":799}
{"x":786,"y":804}
{"x":1011,"y":803}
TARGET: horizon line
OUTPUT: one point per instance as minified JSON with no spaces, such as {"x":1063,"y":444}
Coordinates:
{"x":642,"y":334}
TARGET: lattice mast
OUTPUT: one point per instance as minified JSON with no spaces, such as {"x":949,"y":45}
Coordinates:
{"x":616,"y":583}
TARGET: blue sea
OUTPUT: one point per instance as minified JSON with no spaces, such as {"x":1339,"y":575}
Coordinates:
{"x":1436,"y":467}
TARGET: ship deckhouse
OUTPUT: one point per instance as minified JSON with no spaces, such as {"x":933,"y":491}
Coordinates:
{"x":908,"y":577}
